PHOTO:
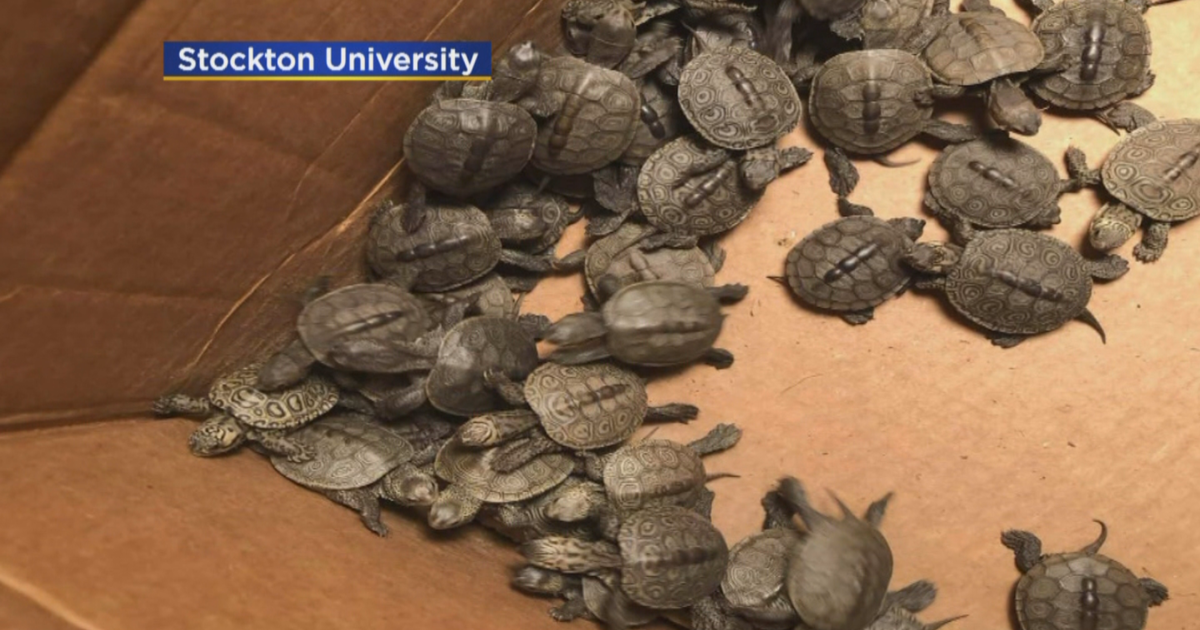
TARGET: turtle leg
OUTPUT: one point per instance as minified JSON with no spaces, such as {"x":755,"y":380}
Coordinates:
{"x":704,"y":503}
{"x":979,"y":6}
{"x":859,"y":318}
{"x":543,"y":263}
{"x":671,"y":240}
{"x":1077,"y":168}
{"x":287,"y":367}
{"x":1154,"y":241}
{"x":716,"y":254}
{"x":512,"y":392}
{"x":573,"y":608}
{"x":365,"y":503}
{"x":1157,"y":590}
{"x":674,"y":412}
{"x":949,"y":132}
{"x":515,"y":454}
{"x":709,"y":614}
{"x":936,"y":283}
{"x":847,"y":208}
{"x":409,"y":486}
{"x":402,"y":401}
{"x":1049,"y":217}
{"x":876,"y":510}
{"x":278,"y":443}
{"x":1125,"y":116}
{"x":843,"y":175}
{"x":1026,"y":546}
{"x":914,"y":598}
{"x":729,"y":293}
{"x":1005,"y":340}
{"x":1110,"y":267}
{"x":181,"y":404}
{"x":777,"y":512}
{"x":534,"y":324}
{"x":356,"y":402}
{"x":1041,"y":6}
{"x":722,"y":437}
{"x":719,"y":358}
{"x":417,"y":209}
{"x":792,"y":491}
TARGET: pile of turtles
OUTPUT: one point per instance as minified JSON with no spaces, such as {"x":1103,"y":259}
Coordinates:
{"x":661,"y":122}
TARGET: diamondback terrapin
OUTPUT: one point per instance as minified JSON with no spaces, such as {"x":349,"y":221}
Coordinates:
{"x":1015,"y":283}
{"x":616,"y":262}
{"x":837,"y":577}
{"x":357,"y":462}
{"x":754,"y":583}
{"x":489,"y":296}
{"x":462,"y":147}
{"x":1078,"y":590}
{"x":852,"y":265}
{"x":995,"y":182}
{"x":1153,"y":175}
{"x":237,"y":411}
{"x":525,"y":217}
{"x":473,"y":482}
{"x":600,"y":31}
{"x":475,"y":346}
{"x":738,"y":99}
{"x":522,"y":521}
{"x":658,"y":323}
{"x":336,"y":324}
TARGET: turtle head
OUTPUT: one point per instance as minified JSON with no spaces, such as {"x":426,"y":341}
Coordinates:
{"x":516,"y":73}
{"x":531,"y":579}
{"x":573,"y":504}
{"x":909,"y":226}
{"x":216,"y":436}
{"x":933,"y":258}
{"x":1113,"y":225}
{"x":451,"y":509}
{"x":412,"y":489}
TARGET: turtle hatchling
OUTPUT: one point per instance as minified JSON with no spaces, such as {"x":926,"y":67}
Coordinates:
{"x":1015,"y":283}
{"x":601,"y":31}
{"x":357,"y":462}
{"x":658,"y":323}
{"x":738,"y":99}
{"x":1080,"y":590}
{"x":616,"y":262}
{"x":238,"y":411}
{"x":468,"y":352}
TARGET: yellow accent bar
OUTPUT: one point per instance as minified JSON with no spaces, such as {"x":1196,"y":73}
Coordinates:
{"x":451,"y":78}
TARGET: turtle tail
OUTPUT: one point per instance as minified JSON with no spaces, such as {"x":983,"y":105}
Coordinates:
{"x":1088,"y":318}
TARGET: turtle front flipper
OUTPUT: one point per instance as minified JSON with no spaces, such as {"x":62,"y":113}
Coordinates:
{"x":674,"y":412}
{"x":1026,"y":546}
{"x":729,"y":293}
{"x":365,"y":503}
{"x":877,"y":510}
{"x":1049,"y":217}
{"x":792,"y":491}
{"x":535,"y":325}
{"x":843,"y":175}
{"x":670,"y":240}
{"x":953,"y":133}
{"x":1110,"y":267}
{"x":515,"y":454}
{"x":1156,"y":590}
{"x":1154,"y":241}
{"x":1078,"y":171}
{"x":454,"y":507}
{"x":710,"y":614}
{"x":278,"y":443}
{"x":776,"y":511}
{"x":722,"y":437}
{"x":914,"y":598}
{"x":181,"y":405}
{"x":571,"y":555}
{"x":859,"y":317}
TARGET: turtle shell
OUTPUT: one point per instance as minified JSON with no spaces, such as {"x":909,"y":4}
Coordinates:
{"x":757,"y":567}
{"x":587,"y":406}
{"x":473,"y":346}
{"x":738,"y":98}
{"x":352,"y":451}
{"x":376,"y":313}
{"x":237,"y":394}
{"x":672,"y":557}
{"x":1153,"y":170}
{"x":976,"y":47}
{"x":596,"y":115}
{"x":454,"y":246}
{"x":1050,"y":595}
{"x":660,"y":120}
{"x":661,"y":323}
{"x":597,"y":596}
{"x":838,"y":575}
{"x":866,"y":101}
{"x":691,"y":266}
{"x":462,"y":147}
{"x":982,"y":285}
{"x":653,"y":472}
{"x":1123,"y":60}
{"x":471,"y":469}
{"x":518,"y":202}
{"x":493,"y":297}
{"x":885,"y":23}
{"x":692,"y":187}
{"x":602,"y":253}
{"x":816,"y":266}
{"x":994,"y":182}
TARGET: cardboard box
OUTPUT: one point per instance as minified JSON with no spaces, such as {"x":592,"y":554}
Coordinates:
{"x":153,"y":234}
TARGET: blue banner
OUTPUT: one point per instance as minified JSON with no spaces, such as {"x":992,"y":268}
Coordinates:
{"x":327,"y":61}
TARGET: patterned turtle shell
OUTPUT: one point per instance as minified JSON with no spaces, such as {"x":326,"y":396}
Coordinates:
{"x":976,"y":47}
{"x":690,"y":186}
{"x":653,"y":472}
{"x":1154,"y":170}
{"x":1019,"y":282}
{"x":1050,"y":596}
{"x":587,"y":406}
{"x":352,"y":451}
{"x":454,"y":246}
{"x":757,"y":567}
{"x":870,"y":101}
{"x":456,"y":385}
{"x":661,"y":323}
{"x":471,"y":470}
{"x":994,"y":182}
{"x":368,"y":313}
{"x":462,"y":147}
{"x":672,"y":557}
{"x":237,"y":393}
{"x":738,"y":98}
{"x":849,"y":264}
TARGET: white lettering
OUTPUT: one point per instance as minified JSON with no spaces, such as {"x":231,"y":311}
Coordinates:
{"x":255,"y":61}
{"x":306,"y":59}
{"x":287,"y":61}
{"x":469,"y":62}
{"x":187,"y":64}
{"x":431,"y":63}
{"x":204,"y":60}
{"x":219,"y":58}
{"x":329,"y":60}
{"x":402,"y":62}
{"x":362,"y":62}
{"x":233,"y":62}
{"x":271,"y":60}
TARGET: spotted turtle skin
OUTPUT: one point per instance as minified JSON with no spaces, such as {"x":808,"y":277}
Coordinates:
{"x":653,"y":473}
{"x":1050,"y":596}
{"x":738,"y":99}
{"x":692,"y":187}
{"x":1110,"y":68}
{"x":994,"y":182}
{"x":462,"y":147}
{"x":455,"y":245}
{"x":596,"y":114}
{"x":351,"y":451}
{"x":977,"y":290}
{"x":1153,"y":170}
{"x":587,"y":406}
{"x":869,"y":102}
{"x":869,"y":248}
{"x":976,"y":47}
{"x":473,"y":346}
{"x":366,"y":313}
{"x":661,"y":323}
{"x":238,"y":395}
{"x":672,"y":557}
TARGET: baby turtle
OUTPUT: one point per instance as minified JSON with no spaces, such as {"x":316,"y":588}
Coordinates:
{"x":473,"y":481}
{"x":872,"y":101}
{"x":617,"y":262}
{"x":667,"y":556}
{"x":1080,"y":590}
{"x":238,"y":411}
{"x":462,"y":147}
{"x":334,"y":325}
{"x":470,"y":350}
{"x":1152,"y":173}
{"x":532,"y":219}
{"x":853,"y":264}
{"x":838,"y":576}
{"x":659,"y":323}
{"x":586,"y":597}
{"x":738,"y":99}
{"x":522,"y":521}
{"x":1015,"y":283}
{"x":754,"y":582}
{"x":600,"y":31}
{"x":661,"y":121}
{"x":995,"y":182}
{"x":357,"y":462}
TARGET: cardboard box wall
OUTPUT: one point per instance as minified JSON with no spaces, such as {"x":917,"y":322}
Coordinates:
{"x":153,"y":234}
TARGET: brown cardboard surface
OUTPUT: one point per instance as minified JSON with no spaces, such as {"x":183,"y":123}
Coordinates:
{"x":152,"y":235}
